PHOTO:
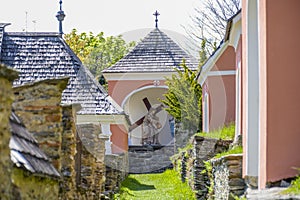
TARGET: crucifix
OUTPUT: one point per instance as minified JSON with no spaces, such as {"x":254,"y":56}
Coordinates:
{"x":156,"y":14}
{"x":150,"y":123}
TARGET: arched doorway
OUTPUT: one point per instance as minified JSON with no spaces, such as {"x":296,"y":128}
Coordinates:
{"x":137,"y":106}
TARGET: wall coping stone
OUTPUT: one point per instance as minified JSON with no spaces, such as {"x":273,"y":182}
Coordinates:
{"x":8,"y":73}
{"x":62,"y":83}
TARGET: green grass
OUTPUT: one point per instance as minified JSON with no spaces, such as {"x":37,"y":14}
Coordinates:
{"x":225,"y":133}
{"x":234,"y":150}
{"x":162,"y":186}
{"x":294,"y":188}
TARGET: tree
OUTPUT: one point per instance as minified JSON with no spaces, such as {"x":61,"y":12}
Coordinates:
{"x":184,"y":98}
{"x":209,"y":22}
{"x":107,"y":53}
{"x":97,"y":52}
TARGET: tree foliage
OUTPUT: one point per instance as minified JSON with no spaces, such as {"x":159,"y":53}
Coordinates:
{"x":209,"y":21}
{"x":97,"y":52}
{"x":184,"y":98}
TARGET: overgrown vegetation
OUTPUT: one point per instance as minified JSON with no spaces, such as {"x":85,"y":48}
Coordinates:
{"x":166,"y":185}
{"x":225,"y":133}
{"x":96,"y":51}
{"x":294,"y":188}
{"x":184,"y":98}
{"x":234,"y":150}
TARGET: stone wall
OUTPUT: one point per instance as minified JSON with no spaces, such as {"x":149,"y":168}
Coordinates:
{"x":68,"y":153}
{"x":182,"y":136}
{"x":227,"y":176}
{"x":29,"y":186}
{"x":148,"y":159}
{"x":53,"y":125}
{"x":6,"y":99}
{"x":116,"y":172}
{"x":38,"y":106}
{"x":92,"y":154}
{"x":191,"y":162}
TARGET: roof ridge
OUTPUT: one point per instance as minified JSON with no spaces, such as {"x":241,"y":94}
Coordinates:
{"x":30,"y":34}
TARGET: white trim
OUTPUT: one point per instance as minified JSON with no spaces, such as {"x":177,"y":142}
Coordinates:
{"x":236,"y":31}
{"x":221,"y":73}
{"x":96,"y":119}
{"x":252,"y":91}
{"x":141,"y":89}
{"x":238,"y":94}
{"x":105,"y":128}
{"x":206,"y":113}
{"x":138,"y":76}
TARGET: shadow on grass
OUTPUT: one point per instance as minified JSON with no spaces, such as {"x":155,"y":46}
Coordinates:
{"x":135,"y":185}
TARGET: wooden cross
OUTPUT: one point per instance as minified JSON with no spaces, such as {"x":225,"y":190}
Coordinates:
{"x":148,"y":106}
{"x":156,"y":14}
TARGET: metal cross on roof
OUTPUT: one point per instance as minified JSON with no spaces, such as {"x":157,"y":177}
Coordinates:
{"x":156,"y":14}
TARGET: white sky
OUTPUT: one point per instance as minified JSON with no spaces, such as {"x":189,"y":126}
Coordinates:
{"x":113,"y":17}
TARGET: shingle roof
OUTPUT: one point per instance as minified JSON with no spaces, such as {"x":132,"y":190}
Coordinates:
{"x":41,"y":56}
{"x":25,"y":152}
{"x":155,"y":53}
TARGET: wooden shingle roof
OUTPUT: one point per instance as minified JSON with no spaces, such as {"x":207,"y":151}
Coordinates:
{"x":25,"y":152}
{"x":155,"y":53}
{"x":41,"y":56}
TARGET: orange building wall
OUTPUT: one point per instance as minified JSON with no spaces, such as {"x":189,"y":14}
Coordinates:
{"x":283,"y":96}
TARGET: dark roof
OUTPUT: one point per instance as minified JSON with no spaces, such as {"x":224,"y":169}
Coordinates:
{"x":41,"y":56}
{"x":25,"y":152}
{"x":155,"y":53}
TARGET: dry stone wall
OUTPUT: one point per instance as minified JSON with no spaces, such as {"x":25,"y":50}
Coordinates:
{"x":191,"y":163}
{"x":227,"y":177}
{"x":92,"y":166}
{"x":116,"y":172}
{"x":38,"y":106}
{"x":6,"y":99}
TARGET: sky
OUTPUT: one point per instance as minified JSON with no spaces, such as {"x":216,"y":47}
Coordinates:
{"x":113,"y":17}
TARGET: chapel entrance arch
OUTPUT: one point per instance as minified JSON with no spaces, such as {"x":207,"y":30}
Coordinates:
{"x":138,"y":105}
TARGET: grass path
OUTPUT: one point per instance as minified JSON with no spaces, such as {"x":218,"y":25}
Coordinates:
{"x":162,"y":186}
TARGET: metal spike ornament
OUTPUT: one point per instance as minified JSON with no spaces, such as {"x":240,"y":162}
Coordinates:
{"x":60,"y":17}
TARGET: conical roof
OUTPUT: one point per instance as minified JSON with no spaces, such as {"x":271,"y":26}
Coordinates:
{"x":155,"y":53}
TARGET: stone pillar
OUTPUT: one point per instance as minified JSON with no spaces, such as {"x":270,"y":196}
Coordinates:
{"x":68,"y":186}
{"x":6,"y":99}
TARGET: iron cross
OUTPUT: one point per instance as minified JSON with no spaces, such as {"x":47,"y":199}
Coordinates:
{"x":156,"y":14}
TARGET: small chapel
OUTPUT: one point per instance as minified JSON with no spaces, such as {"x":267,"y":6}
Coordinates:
{"x":137,"y":82}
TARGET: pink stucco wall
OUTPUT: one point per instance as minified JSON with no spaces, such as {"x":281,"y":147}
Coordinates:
{"x":282,"y":133}
{"x":119,"y":89}
{"x":221,"y":91}
{"x":119,"y":138}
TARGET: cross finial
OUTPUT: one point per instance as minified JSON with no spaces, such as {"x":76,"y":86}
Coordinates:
{"x":156,"y":14}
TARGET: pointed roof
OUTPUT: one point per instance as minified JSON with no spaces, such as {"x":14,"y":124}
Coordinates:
{"x":155,"y":53}
{"x":41,"y":56}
